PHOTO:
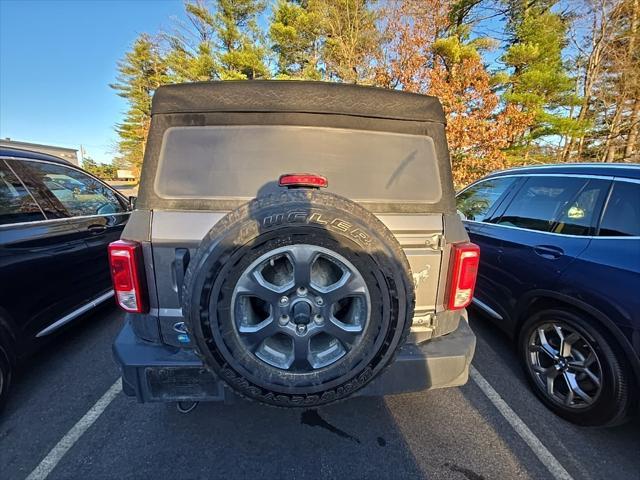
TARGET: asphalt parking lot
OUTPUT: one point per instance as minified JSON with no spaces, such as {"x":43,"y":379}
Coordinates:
{"x":461,"y":433}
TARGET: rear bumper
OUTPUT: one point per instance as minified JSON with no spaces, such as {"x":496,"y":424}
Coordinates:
{"x":438,"y":363}
{"x":160,"y":373}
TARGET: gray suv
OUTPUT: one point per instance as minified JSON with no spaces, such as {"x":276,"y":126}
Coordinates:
{"x":294,"y":243}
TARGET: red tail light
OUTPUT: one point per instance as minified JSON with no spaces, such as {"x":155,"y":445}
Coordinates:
{"x":465,"y":258}
{"x":303,"y":180}
{"x":127,"y":273}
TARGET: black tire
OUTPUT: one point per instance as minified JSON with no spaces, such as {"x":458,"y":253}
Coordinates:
{"x":612,"y":402}
{"x":293,"y":218}
{"x":5,"y":376}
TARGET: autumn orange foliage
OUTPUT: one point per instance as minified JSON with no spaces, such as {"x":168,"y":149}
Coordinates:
{"x":425,"y":53}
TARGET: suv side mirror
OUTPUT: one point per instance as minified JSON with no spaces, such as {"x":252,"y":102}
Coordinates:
{"x":132,"y":201}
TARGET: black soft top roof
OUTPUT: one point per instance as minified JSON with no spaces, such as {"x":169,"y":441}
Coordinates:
{"x":296,"y":97}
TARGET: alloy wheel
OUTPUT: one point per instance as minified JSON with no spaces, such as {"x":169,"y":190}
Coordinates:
{"x":300,"y":308}
{"x":565,"y":365}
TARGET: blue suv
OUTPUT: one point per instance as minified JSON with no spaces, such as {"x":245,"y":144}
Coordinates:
{"x":560,"y":272}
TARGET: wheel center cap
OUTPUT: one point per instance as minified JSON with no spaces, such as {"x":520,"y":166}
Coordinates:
{"x":302,"y":313}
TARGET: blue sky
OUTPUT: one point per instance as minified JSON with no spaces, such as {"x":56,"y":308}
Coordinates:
{"x":57,"y":58}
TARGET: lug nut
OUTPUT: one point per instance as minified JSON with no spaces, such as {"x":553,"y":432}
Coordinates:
{"x":302,"y":291}
{"x":284,"y":300}
{"x":319,"y":301}
{"x":284,"y":319}
{"x":301,"y":329}
{"x":318,"y":319}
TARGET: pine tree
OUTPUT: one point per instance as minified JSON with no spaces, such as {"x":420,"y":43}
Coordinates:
{"x":539,"y":83}
{"x":352,"y":39}
{"x":191,"y":47}
{"x":140,"y":72}
{"x":242,"y":54}
{"x":296,"y":32}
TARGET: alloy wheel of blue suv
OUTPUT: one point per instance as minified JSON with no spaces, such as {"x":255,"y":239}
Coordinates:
{"x":573,"y":369}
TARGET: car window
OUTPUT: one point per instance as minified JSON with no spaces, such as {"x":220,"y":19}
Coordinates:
{"x":16,"y":205}
{"x":475,"y":202}
{"x":540,"y":201}
{"x":78,"y":193}
{"x":622,"y":215}
{"x":578,"y":216}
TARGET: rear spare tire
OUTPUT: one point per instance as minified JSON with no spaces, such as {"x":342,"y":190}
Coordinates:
{"x":299,"y":298}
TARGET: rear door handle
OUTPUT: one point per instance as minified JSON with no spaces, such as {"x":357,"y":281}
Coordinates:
{"x":96,"y":228}
{"x":548,"y":252}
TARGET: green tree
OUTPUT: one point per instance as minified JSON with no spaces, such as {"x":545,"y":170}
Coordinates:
{"x":104,"y":171}
{"x":242,"y":53}
{"x":539,"y":83}
{"x":296,"y":34}
{"x":219,"y":40}
{"x":352,"y":39}
{"x":140,"y":72}
{"x":89,"y":164}
{"x":191,"y":51}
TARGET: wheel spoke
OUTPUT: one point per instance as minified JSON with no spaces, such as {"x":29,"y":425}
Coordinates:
{"x":574,"y":387}
{"x":349,"y":286}
{"x":250,"y":285}
{"x":592,"y":376}
{"x":343,"y":332}
{"x":580,"y":368}
{"x":300,"y":353}
{"x":542,"y":370}
{"x":551,"y":375}
{"x":302,"y":258}
{"x":558,"y":330}
{"x":570,"y":396}
{"x":256,"y":334}
{"x":545,"y":347}
{"x":567,"y":344}
{"x":589,"y":360}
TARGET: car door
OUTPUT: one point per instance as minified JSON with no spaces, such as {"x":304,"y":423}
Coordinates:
{"x":546,"y":225}
{"x":607,"y":274}
{"x":475,"y":205}
{"x":95,"y":210}
{"x":39,"y":255}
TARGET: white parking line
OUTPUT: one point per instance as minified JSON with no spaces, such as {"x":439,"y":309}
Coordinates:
{"x":546,"y":457}
{"x":49,"y":462}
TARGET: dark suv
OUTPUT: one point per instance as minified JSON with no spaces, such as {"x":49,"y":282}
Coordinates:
{"x":56,"y":221}
{"x":560,"y":271}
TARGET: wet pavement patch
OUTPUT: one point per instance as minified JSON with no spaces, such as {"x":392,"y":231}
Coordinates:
{"x":470,"y":474}
{"x":313,"y":419}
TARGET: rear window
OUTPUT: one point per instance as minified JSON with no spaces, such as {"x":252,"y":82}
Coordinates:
{"x":16,"y":205}
{"x":475,"y":202}
{"x":622,"y":216}
{"x":221,"y":162}
{"x":540,"y":202}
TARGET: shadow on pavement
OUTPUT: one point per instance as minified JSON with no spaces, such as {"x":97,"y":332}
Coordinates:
{"x":245,"y":440}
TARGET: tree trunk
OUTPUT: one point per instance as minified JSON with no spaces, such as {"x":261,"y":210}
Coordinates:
{"x":599,"y":41}
{"x":580,"y":147}
{"x":614,"y":132}
{"x":632,"y":138}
